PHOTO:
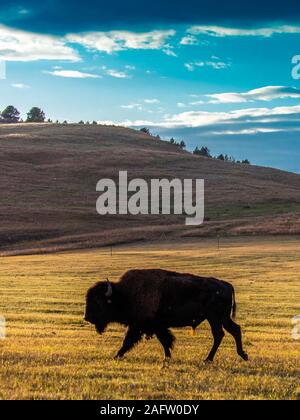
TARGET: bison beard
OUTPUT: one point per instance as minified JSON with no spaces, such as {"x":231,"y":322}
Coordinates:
{"x":150,"y":302}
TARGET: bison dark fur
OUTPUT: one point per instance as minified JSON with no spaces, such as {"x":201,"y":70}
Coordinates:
{"x":150,"y":302}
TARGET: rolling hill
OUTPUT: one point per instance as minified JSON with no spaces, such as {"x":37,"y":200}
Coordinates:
{"x":48,"y":189}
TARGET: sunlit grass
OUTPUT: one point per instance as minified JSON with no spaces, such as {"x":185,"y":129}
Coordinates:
{"x":50,"y":352}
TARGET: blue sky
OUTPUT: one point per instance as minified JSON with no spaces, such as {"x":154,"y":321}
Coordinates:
{"x":218,"y":75}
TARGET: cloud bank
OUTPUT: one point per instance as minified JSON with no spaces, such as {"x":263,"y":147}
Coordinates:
{"x":266,"y":93}
{"x":285,"y":119}
{"x":16,"y":45}
{"x":114,"y":41}
{"x":221,"y":31}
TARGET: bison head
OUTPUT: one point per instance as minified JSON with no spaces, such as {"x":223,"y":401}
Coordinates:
{"x":99,"y":311}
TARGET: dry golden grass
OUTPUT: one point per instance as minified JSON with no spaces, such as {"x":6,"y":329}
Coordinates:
{"x":51,"y":353}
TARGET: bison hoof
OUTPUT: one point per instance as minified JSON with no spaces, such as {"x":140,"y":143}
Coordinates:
{"x":208,"y":361}
{"x":245,"y":356}
{"x":118,"y":357}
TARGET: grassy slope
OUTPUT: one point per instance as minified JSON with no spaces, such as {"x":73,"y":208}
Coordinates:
{"x":49,"y":175}
{"x":51,"y":353}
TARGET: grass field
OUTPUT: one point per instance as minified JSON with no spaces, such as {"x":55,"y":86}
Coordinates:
{"x":51,"y":353}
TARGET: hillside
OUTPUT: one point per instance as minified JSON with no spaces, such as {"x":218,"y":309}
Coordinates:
{"x":48,"y":189}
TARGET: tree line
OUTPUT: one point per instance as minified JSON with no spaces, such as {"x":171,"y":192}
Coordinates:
{"x":181,"y":144}
{"x":11,"y":115}
{"x":203,"y":151}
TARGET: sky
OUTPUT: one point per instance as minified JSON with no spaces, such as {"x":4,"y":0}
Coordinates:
{"x":221,"y":73}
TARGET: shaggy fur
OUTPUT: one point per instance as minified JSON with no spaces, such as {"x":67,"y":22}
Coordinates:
{"x":149,"y":302}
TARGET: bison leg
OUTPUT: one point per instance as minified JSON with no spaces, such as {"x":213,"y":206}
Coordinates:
{"x":132,"y":337}
{"x":235,"y":330}
{"x":166,"y":339}
{"x":218,"y":333}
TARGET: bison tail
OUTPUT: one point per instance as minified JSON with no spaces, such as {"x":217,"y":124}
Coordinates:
{"x":234,"y":306}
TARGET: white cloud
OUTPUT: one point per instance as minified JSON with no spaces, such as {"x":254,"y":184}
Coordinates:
{"x":133,"y":106}
{"x":218,"y":65}
{"x":113,"y":41}
{"x":17,"y":45}
{"x":115,"y":73}
{"x":253,"y":116}
{"x":20,"y":86}
{"x":189,"y":40}
{"x":169,"y":52}
{"x":181,"y":105}
{"x":215,"y":63}
{"x":242,"y":122}
{"x":189,"y":66}
{"x":139,"y":106}
{"x":266,"y":93}
{"x":204,"y":118}
{"x":126,"y":123}
{"x":73,"y":74}
{"x":221,"y":31}
{"x":246,"y":131}
{"x":152,"y":101}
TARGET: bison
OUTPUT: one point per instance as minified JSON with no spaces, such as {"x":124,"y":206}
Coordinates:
{"x":150,"y":302}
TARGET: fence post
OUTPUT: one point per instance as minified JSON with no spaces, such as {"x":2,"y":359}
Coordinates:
{"x":2,"y":328}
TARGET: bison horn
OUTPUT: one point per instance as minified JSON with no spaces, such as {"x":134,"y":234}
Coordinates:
{"x":108,"y":294}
